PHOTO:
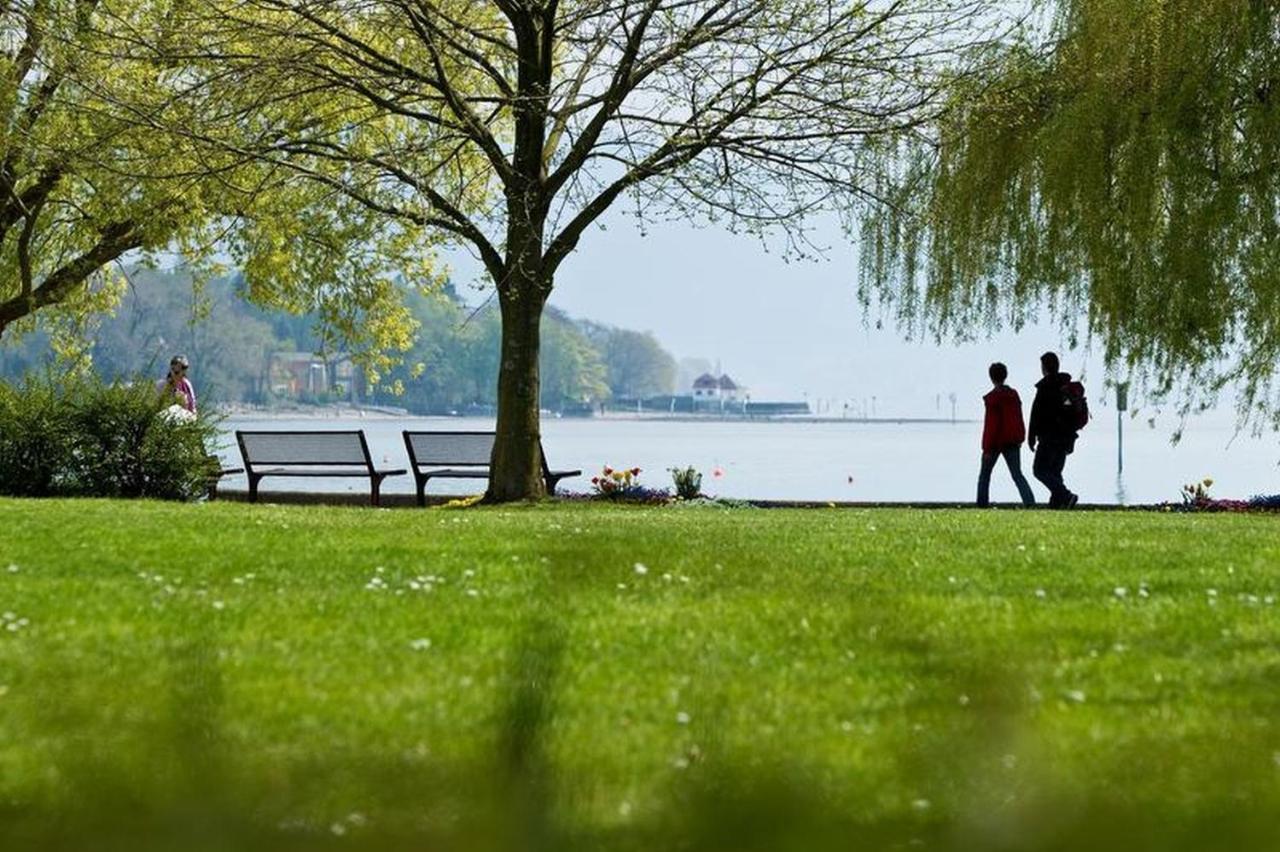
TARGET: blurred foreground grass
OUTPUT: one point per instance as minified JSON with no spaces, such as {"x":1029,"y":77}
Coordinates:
{"x":219,"y":677}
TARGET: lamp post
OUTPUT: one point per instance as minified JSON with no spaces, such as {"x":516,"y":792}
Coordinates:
{"x":1122,"y":405}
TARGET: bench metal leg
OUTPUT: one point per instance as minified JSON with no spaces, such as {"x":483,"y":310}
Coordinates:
{"x":253,"y":487}
{"x":375,"y":490}
{"x":421,"y":482}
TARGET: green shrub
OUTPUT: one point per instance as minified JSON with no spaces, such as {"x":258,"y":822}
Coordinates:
{"x":35,"y":443}
{"x":87,"y":438}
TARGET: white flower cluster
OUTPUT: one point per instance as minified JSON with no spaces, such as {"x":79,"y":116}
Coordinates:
{"x":420,"y":583}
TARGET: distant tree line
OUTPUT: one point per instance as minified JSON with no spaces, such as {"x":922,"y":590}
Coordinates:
{"x":452,"y":367}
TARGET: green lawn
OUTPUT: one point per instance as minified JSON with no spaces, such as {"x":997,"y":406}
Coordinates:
{"x":578,"y":676}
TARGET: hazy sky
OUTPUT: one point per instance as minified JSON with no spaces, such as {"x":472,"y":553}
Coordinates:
{"x":785,"y":330}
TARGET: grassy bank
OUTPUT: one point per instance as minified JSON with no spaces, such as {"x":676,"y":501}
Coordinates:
{"x":223,"y":676}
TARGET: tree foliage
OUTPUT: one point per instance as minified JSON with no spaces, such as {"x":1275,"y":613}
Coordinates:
{"x":1120,"y":173}
{"x":92,"y":170}
{"x":511,"y":127}
{"x":72,"y":199}
{"x":452,"y":366}
{"x":573,"y":370}
{"x":636,"y":364}
{"x":228,"y":342}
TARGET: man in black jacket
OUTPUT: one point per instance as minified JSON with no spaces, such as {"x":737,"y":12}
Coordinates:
{"x":1050,"y":435}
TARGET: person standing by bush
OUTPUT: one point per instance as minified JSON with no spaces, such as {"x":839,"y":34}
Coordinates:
{"x":1003,"y":431}
{"x":1052,"y":433}
{"x":175,"y":388}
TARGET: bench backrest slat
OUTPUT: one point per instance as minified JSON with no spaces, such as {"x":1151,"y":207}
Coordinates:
{"x":472,"y":449}
{"x":456,"y":449}
{"x":304,"y":448}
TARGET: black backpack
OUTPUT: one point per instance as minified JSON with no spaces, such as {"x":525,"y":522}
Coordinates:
{"x":1074,"y":413}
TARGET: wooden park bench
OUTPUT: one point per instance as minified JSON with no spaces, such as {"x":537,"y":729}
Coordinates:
{"x":313,"y":454}
{"x":460,"y":455}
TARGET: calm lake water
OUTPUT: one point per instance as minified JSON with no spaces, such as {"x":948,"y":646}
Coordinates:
{"x":832,"y":461}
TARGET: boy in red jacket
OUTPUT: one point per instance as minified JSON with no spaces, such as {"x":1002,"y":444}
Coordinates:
{"x":1003,"y":432}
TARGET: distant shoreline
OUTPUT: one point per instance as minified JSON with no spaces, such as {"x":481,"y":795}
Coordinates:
{"x":785,"y":418}
{"x":314,"y":412}
{"x":382,"y":412}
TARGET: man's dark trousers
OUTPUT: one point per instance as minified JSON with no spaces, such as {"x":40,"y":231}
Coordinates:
{"x":1051,"y":458}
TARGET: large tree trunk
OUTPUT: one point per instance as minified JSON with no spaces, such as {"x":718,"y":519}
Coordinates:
{"x":516,"y":464}
{"x":524,"y":282}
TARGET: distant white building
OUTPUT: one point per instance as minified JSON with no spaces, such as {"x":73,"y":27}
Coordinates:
{"x":709,"y":388}
{"x":731,"y":391}
{"x":706,"y":386}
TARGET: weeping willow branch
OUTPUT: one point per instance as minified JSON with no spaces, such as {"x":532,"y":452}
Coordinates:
{"x":1120,"y":174}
